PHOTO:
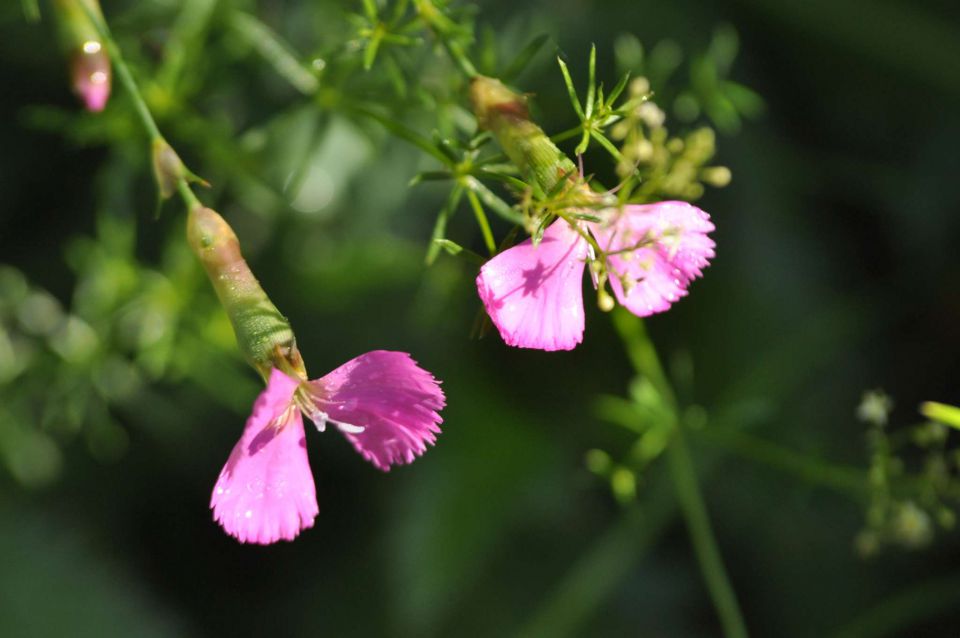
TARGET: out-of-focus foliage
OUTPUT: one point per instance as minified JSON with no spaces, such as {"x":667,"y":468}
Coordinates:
{"x":121,"y":391}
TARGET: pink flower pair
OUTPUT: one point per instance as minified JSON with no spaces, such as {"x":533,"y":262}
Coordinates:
{"x":382,"y":402}
{"x":534,"y":294}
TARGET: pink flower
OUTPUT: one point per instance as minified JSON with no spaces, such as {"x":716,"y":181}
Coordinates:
{"x":383,"y":403}
{"x":534,"y":295}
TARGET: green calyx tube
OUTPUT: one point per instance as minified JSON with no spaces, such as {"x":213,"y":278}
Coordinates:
{"x":263,"y":334}
{"x":504,"y":112}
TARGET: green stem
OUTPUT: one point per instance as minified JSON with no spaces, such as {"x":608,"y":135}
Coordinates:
{"x":850,"y":481}
{"x":140,"y":105}
{"x":123,"y":71}
{"x":274,"y":50}
{"x":701,"y":534}
{"x":186,"y":193}
{"x":444,"y":29}
{"x":643,"y":356}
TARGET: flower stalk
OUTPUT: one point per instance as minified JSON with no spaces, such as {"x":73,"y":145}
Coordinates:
{"x":645,"y":360}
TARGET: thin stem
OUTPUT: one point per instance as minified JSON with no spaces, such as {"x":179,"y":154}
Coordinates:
{"x":643,"y":356}
{"x":850,"y":481}
{"x":444,"y":29}
{"x":186,"y":193}
{"x":123,"y":71}
{"x":701,"y":534}
{"x":274,"y":50}
{"x":140,"y":105}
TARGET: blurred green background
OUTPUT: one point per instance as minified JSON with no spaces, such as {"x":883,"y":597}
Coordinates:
{"x":121,"y":394}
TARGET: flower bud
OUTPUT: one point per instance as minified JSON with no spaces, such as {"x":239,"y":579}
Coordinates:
{"x":263,"y":334}
{"x":504,"y":113}
{"x":604,"y":301}
{"x":89,"y":64}
{"x":718,"y":176}
{"x":168,"y":169}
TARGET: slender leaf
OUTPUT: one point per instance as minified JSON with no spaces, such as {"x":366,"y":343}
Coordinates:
{"x":403,"y":132}
{"x":592,"y":82}
{"x":571,"y":90}
{"x":519,"y":63}
{"x":482,"y":221}
{"x":440,"y":226}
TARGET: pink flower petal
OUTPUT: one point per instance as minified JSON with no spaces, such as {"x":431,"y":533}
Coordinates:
{"x":265,"y":492}
{"x":662,"y":271}
{"x":391,"y":398}
{"x":534,"y":294}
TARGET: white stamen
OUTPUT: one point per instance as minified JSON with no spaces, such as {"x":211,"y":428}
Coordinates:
{"x":348,"y":428}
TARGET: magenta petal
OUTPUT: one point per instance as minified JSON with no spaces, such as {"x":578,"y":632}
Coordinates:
{"x":534,"y":294}
{"x":391,"y":398}
{"x":265,"y":492}
{"x":661,"y":271}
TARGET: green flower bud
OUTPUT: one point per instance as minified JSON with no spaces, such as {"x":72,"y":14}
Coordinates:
{"x":504,"y":113}
{"x":263,"y":334}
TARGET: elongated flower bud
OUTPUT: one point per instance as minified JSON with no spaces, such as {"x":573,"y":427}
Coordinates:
{"x":504,"y":113}
{"x":263,"y":334}
{"x":89,"y":63}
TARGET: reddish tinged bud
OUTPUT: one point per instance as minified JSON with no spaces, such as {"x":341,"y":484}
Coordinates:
{"x":90,"y":73}
{"x":504,"y":113}
{"x":89,"y":63}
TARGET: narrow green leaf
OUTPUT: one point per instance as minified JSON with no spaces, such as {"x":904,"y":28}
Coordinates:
{"x":584,"y":142}
{"x":607,"y":144}
{"x":395,"y":75}
{"x":399,"y":10}
{"x":274,"y":50}
{"x":570,"y":133}
{"x":370,"y":10}
{"x":591,"y":82}
{"x":455,"y":249}
{"x":440,"y":226}
{"x":370,"y":52}
{"x":538,"y":233}
{"x":479,"y":140}
{"x":403,"y":132}
{"x":401,"y":40}
{"x":519,"y":63}
{"x":482,"y":221}
{"x":571,"y":91}
{"x":493,"y":201}
{"x":586,"y":217}
{"x":618,"y":89}
{"x":446,"y":146}
{"x":485,"y":171}
{"x":941,"y":413}
{"x":430,"y":176}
